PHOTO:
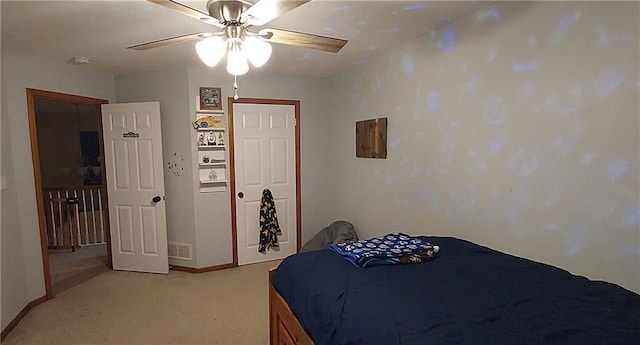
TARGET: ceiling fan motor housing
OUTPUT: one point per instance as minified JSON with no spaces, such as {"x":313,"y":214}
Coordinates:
{"x":234,"y":32}
{"x":227,"y":11}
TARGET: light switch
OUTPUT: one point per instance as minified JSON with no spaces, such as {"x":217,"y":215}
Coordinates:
{"x":3,"y":182}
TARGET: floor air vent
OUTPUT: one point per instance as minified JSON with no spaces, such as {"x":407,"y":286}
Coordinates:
{"x":180,"y":251}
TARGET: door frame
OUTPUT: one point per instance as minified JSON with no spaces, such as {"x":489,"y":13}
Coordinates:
{"x":232,"y":167}
{"x":37,"y":176}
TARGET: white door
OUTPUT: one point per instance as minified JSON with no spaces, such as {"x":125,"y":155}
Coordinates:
{"x":135,"y":182}
{"x":265,"y":157}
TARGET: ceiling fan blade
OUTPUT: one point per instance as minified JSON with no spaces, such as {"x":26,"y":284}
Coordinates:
{"x":265,"y":11}
{"x":188,"y":11}
{"x":328,"y":44}
{"x":164,"y":42}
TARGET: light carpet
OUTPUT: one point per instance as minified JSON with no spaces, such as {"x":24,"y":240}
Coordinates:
{"x":222,"y":307}
{"x":69,"y":269}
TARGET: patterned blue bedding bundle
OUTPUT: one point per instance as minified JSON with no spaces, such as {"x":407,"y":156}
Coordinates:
{"x":391,"y":249}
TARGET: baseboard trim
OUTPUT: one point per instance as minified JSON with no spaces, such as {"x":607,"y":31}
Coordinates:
{"x":20,"y":315}
{"x":202,"y":269}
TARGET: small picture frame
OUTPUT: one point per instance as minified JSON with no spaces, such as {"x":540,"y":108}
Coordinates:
{"x":210,"y":98}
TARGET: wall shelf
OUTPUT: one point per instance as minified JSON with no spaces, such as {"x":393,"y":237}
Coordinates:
{"x":213,"y":181}
{"x":206,"y":129}
{"x":220,"y":164}
{"x":211,"y":147}
{"x":212,"y":160}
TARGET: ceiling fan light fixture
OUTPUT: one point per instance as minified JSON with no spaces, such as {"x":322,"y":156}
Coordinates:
{"x":236,"y":61}
{"x":211,"y":50}
{"x":257,"y":51}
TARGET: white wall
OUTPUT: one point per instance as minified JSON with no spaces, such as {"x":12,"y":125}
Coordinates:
{"x":22,"y":275}
{"x":517,"y":127}
{"x":13,"y":278}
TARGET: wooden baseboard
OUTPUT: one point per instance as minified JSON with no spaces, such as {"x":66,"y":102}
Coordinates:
{"x":20,"y":315}
{"x":202,"y":269}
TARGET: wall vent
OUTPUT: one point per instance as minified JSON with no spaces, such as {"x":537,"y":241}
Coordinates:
{"x":180,"y":251}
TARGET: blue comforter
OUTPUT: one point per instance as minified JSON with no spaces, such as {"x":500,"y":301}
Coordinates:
{"x":468,"y":294}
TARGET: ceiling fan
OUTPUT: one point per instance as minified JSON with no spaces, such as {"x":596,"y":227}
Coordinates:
{"x":234,"y":17}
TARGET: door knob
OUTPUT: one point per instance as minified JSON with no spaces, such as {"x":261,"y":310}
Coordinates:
{"x":156,"y":199}
{"x":240,"y":195}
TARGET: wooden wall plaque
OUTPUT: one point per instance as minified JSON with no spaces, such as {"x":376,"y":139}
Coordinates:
{"x":371,"y":138}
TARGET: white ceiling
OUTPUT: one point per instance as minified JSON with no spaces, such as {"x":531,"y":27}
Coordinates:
{"x":100,"y":30}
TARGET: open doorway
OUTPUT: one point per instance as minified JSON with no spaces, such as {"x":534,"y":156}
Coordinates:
{"x":67,"y":151}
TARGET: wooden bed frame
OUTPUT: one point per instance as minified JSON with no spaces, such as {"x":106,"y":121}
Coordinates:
{"x":284,"y":327}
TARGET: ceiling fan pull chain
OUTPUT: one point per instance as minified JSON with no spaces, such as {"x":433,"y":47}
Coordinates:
{"x":235,"y":87}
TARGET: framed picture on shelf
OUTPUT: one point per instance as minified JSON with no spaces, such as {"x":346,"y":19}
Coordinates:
{"x":210,"y":98}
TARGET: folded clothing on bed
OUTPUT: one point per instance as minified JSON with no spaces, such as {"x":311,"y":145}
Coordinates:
{"x":389,"y":249}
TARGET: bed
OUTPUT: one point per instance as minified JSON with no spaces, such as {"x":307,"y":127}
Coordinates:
{"x":468,"y":294}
